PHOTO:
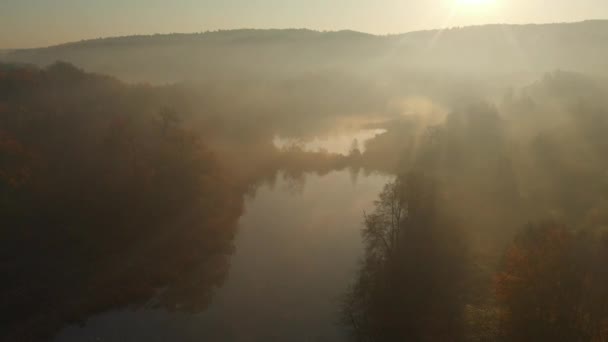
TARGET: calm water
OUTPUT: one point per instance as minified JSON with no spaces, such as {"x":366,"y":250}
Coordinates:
{"x":335,"y":143}
{"x":295,"y":254}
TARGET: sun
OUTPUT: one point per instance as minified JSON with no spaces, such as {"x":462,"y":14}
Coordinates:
{"x":474,"y":3}
{"x":474,"y":7}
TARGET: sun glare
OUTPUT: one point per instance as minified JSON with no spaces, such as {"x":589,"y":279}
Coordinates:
{"x":475,"y":7}
{"x":474,"y":3}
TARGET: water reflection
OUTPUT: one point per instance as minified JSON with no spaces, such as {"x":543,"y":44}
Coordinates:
{"x":115,"y":222}
{"x":296,"y":253}
{"x":336,"y":143}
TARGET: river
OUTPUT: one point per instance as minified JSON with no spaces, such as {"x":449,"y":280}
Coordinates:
{"x":296,"y":252}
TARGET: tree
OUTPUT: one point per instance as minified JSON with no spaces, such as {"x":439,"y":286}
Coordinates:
{"x":354,"y":149}
{"x":103,"y":204}
{"x":553,"y":285}
{"x":411,"y":282}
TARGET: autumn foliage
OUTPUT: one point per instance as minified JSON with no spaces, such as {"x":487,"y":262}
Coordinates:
{"x":552,"y":286}
{"x":105,"y":203}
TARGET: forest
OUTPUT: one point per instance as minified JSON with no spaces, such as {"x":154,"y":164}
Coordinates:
{"x":115,"y":192}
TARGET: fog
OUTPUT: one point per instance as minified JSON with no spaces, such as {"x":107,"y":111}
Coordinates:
{"x":502,"y":50}
{"x":258,"y":185}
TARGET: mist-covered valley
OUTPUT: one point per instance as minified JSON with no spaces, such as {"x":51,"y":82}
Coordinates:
{"x":295,"y":185}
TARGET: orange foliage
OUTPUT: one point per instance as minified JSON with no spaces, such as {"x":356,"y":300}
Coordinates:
{"x":14,"y":168}
{"x":549,"y":286}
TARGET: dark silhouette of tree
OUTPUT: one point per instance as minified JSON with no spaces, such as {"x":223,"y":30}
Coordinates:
{"x":411,"y":283}
{"x":354,"y":150}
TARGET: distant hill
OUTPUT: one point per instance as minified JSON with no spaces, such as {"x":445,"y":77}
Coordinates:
{"x":243,"y":53}
{"x":506,"y":48}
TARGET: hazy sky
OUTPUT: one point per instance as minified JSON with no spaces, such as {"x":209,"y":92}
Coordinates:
{"x":30,"y":23}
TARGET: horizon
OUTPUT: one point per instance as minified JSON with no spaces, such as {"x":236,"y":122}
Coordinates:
{"x":298,"y":29}
{"x":66,"y":21}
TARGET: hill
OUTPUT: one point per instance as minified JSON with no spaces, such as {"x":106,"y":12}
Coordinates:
{"x":242,"y":54}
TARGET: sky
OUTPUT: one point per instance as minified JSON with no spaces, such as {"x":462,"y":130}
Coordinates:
{"x":37,"y":23}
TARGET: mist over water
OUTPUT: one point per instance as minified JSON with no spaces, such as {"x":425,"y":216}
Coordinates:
{"x":256,"y":185}
{"x":338,"y":143}
{"x":289,"y":290}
